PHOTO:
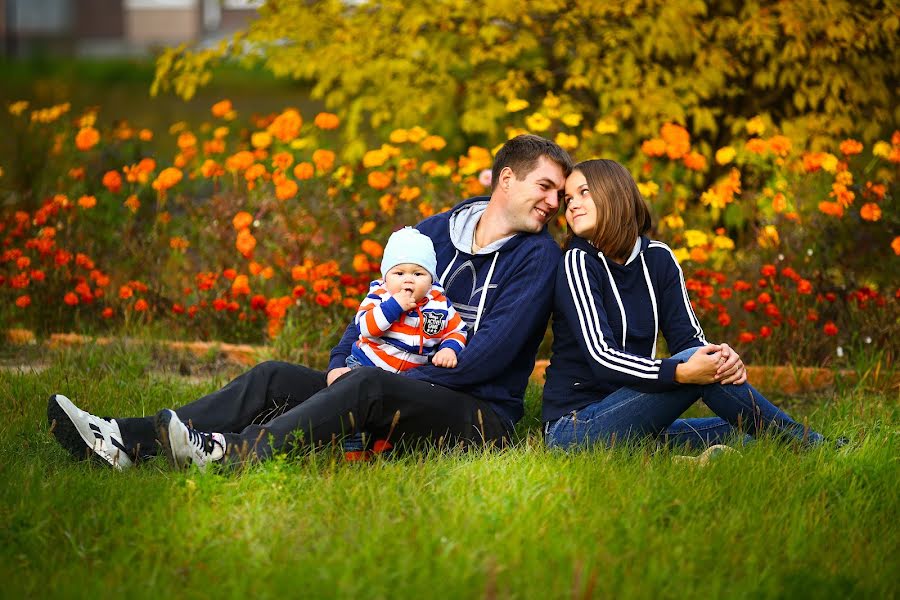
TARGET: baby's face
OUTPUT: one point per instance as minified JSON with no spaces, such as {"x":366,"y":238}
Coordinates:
{"x":410,"y":277}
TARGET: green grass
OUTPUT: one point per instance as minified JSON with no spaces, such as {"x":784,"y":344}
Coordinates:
{"x":772,"y":522}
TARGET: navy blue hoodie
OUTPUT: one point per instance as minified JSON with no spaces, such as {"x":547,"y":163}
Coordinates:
{"x":505,"y":296}
{"x":606,"y":319}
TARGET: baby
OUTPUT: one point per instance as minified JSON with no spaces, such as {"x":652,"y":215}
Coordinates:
{"x":405,"y":320}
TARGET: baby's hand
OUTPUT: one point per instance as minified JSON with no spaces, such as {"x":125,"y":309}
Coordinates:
{"x":405,"y":299}
{"x":444,"y":358}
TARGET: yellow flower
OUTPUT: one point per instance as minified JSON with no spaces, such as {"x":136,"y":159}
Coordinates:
{"x":695,"y":237}
{"x":177,"y":127}
{"x":516,"y":104}
{"x":725,"y":155}
{"x":722,"y":242}
{"x":398,"y":136}
{"x":551,"y":100}
{"x":681,"y":254}
{"x":433,"y":142}
{"x":261,"y":139}
{"x":768,"y":237}
{"x":17,"y":108}
{"x":537,"y":122}
{"x":220,"y":132}
{"x":713,"y":198}
{"x":844,"y":178}
{"x":606,"y":126}
{"x":756,"y":126}
{"x":829,"y":163}
{"x":416,"y":134}
{"x":571,"y":119}
{"x":566,"y":141}
{"x":374,"y":158}
{"x":512,"y":132}
{"x":648,"y":189}
{"x":673,"y":221}
{"x":880,"y":149}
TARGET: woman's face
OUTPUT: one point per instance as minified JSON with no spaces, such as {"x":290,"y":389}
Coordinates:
{"x":581,"y":212}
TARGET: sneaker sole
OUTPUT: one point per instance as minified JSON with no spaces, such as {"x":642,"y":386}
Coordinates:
{"x":60,"y":418}
{"x":163,"y":418}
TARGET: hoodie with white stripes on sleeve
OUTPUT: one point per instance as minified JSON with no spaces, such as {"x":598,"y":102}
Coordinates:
{"x":606,"y":319}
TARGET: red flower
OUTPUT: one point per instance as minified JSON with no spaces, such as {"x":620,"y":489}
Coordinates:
{"x":768,"y":270}
{"x":219,"y":304}
{"x":764,"y":298}
{"x":804,"y":287}
{"x":750,"y":305}
{"x":71,"y":299}
{"x":323,"y":299}
{"x":178,"y":309}
{"x":299,"y":291}
{"x":258,"y":302}
{"x":141,"y":305}
{"x":107,"y":313}
{"x":746,"y":337}
{"x":23,"y":301}
{"x":765,"y":331}
{"x":830,"y":328}
{"x":724,"y":319}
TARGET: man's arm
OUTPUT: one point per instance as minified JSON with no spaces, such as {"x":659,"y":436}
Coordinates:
{"x":521,"y":307}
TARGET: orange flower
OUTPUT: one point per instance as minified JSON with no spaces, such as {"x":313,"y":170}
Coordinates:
{"x":240,"y":286}
{"x":425,"y":209}
{"x":361,"y":263}
{"x":372,"y":248}
{"x":367,"y":228}
{"x":245,"y":242}
{"x":324,"y":159}
{"x":850,"y":147}
{"x":240,"y":160}
{"x":125,"y":292}
{"x":695,"y":161}
{"x":86,"y":138}
{"x":677,"y":139}
{"x":71,"y":298}
{"x":326,"y":120}
{"x":831,"y":208}
{"x":178,"y":243}
{"x":379,"y":180}
{"x":870,"y":211}
{"x":388,"y":204}
{"x":303,"y":171}
{"x":141,"y":305}
{"x":132,"y":203}
{"x":242,"y":220}
{"x":654,"y":147}
{"x":87,"y":202}
{"x":780,"y":145}
{"x":168,"y":178}
{"x":286,"y":126}
{"x":211,"y":168}
{"x":756,"y":145}
{"x":222,"y":108}
{"x":112,"y":181}
{"x":895,"y":245}
{"x":282,"y":160}
{"x":23,"y":301}
{"x":286,"y":189}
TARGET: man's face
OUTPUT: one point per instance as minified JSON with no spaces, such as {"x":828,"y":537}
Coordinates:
{"x":532,"y":201}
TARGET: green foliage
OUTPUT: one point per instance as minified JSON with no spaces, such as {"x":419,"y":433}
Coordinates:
{"x":820,"y":70}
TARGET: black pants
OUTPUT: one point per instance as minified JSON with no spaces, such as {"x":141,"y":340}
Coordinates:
{"x":280,"y":406}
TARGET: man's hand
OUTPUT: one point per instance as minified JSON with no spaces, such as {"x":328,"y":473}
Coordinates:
{"x":444,"y":358}
{"x":731,"y":368}
{"x":405,"y":299}
{"x":334,"y":374}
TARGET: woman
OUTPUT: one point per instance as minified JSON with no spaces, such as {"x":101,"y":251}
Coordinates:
{"x":616,"y":290}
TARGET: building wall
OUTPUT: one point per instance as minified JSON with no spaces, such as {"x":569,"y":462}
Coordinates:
{"x":150,"y":26}
{"x":99,"y":19}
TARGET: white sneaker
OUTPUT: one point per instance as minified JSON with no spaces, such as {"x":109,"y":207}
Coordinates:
{"x":711,"y":453}
{"x":85,"y":435}
{"x":185,"y":445}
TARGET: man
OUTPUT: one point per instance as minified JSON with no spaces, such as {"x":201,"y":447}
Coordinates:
{"x":497,"y":263}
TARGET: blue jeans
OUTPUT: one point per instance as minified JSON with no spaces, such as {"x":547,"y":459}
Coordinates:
{"x":629,"y":414}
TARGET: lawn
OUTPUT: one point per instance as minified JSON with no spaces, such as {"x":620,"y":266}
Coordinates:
{"x":772,"y":521}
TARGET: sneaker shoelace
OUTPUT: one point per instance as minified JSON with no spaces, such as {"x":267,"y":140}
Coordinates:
{"x":204,"y":442}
